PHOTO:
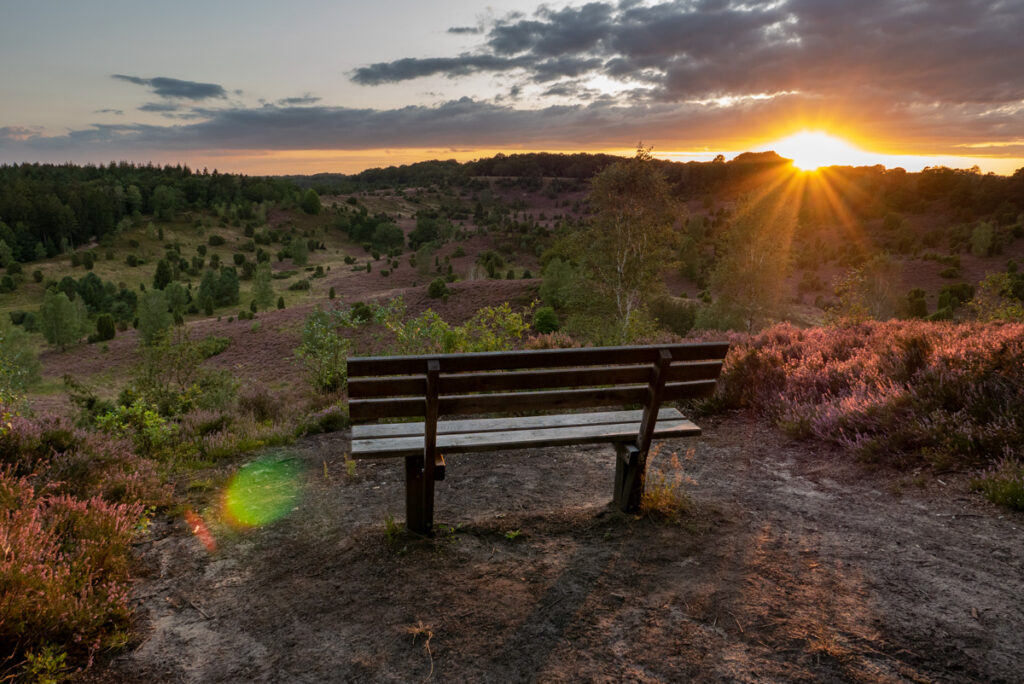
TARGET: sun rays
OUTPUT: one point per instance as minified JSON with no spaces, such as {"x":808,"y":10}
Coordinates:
{"x":811,"y":150}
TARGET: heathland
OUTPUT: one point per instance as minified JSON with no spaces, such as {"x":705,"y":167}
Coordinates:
{"x":165,"y":333}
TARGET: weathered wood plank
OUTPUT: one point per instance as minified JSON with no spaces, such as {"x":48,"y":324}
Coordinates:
{"x":375,"y":388}
{"x":468,"y":404}
{"x":699,"y":389}
{"x":464,"y":383}
{"x":545,"y":358}
{"x":366,"y":409}
{"x":694,"y":370}
{"x":519,"y":439}
{"x":375,"y":430}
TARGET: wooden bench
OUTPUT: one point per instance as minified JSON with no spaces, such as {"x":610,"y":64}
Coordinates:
{"x":457,"y":385}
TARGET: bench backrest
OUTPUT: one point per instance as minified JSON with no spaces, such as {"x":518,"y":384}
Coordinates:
{"x":549,"y":379}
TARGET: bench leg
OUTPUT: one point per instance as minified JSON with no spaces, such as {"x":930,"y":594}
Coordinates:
{"x":629,"y":477}
{"x":419,"y":496}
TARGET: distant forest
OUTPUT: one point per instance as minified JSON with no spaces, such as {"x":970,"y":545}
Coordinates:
{"x":47,"y":209}
{"x":970,"y":194}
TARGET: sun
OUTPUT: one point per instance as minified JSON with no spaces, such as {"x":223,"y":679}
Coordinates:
{"x":810,"y":150}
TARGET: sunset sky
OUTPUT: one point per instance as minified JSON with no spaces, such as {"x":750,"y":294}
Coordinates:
{"x":306,"y":87}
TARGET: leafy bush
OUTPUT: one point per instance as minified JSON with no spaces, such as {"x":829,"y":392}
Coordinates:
{"x":142,"y":424}
{"x":323,"y":350}
{"x":216,"y":240}
{"x":172,"y":380}
{"x":299,"y":286}
{"x":490,"y":329}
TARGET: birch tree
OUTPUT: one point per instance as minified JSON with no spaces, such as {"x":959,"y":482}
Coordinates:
{"x":630,"y":240}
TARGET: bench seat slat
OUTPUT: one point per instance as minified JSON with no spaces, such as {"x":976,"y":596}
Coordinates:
{"x":377,"y":430}
{"x":519,"y":439}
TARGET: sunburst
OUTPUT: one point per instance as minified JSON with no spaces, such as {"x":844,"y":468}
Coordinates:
{"x":811,"y":150}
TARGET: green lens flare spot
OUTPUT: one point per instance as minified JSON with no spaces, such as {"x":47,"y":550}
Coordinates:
{"x":263,"y":491}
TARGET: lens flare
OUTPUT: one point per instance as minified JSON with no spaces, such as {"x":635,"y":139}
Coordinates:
{"x":263,"y":491}
{"x":198,"y":526}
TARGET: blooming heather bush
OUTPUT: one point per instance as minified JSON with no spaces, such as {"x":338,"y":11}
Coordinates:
{"x":63,"y":569}
{"x":69,"y":500}
{"x":895,"y":391}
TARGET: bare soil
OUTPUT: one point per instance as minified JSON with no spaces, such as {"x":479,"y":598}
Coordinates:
{"x":792,"y":564}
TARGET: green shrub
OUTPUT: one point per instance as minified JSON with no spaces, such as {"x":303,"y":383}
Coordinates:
{"x":438,"y":288}
{"x":215,"y":240}
{"x":361,"y":312}
{"x":300,"y":285}
{"x":545,"y":320}
{"x":1003,"y":484}
{"x":323,"y":351}
{"x":105,"y":329}
{"x":211,"y":345}
{"x":149,"y":432}
{"x":917,"y":307}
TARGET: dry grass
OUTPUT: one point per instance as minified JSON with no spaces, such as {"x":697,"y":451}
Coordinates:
{"x":421,"y":630}
{"x":664,"y":495}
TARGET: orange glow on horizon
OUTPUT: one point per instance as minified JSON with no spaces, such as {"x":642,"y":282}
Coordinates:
{"x":305,"y":162}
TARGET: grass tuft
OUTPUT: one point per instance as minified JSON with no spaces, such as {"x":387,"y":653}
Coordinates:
{"x":663,"y":495}
{"x":1003,"y":484}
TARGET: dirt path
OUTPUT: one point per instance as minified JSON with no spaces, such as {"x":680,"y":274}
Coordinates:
{"x":792,"y":566}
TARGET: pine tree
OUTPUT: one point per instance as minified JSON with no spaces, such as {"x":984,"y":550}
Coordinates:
{"x":163,"y":276}
{"x":227,"y":287}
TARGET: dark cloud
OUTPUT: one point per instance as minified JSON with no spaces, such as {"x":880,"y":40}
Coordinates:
{"x":118,"y":112}
{"x":175,"y":88}
{"x":296,"y":101}
{"x":409,"y":68}
{"x":160,"y":107}
{"x":473,"y":123}
{"x":903,"y":50}
{"x":462,"y":30}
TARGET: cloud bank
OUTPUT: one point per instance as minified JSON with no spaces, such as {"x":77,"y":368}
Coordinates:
{"x":935,"y":77}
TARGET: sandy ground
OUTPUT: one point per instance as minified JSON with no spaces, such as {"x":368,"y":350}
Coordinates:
{"x":792,"y":565}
